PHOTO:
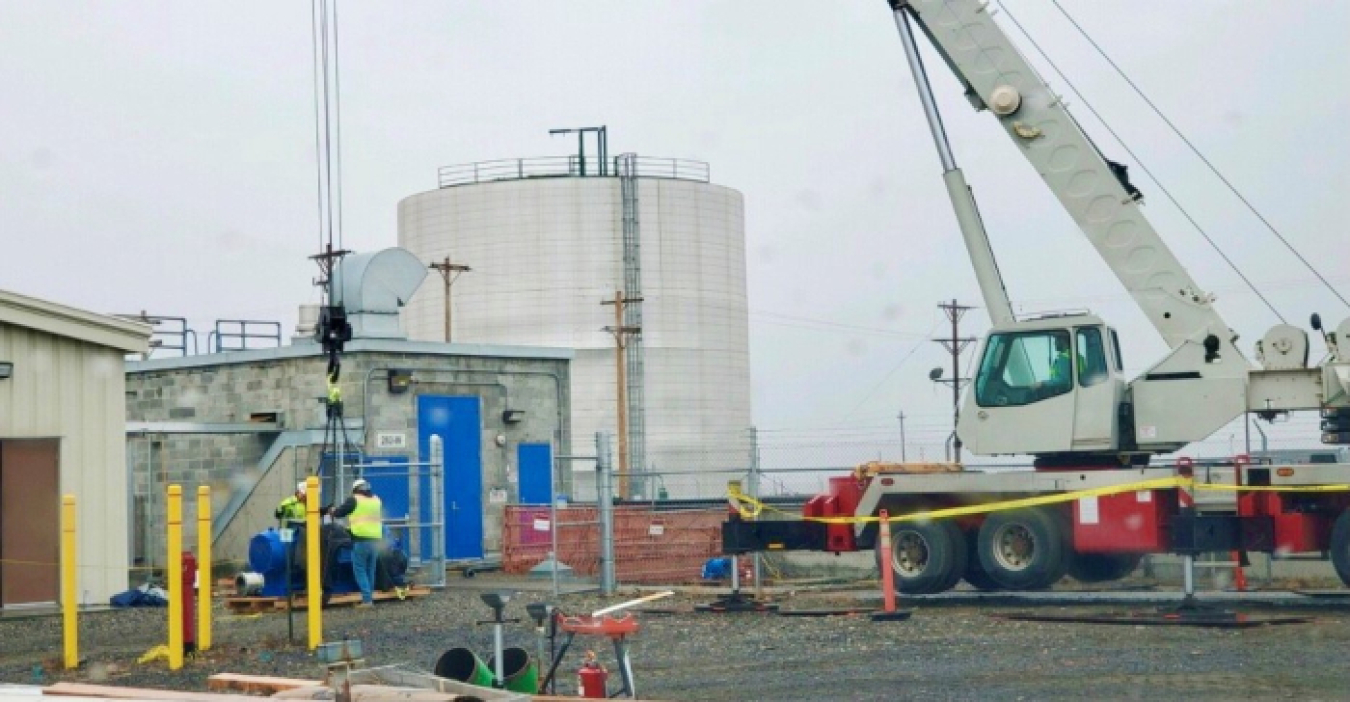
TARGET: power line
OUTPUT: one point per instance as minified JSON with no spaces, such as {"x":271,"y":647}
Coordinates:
{"x":1166,"y":193}
{"x":890,"y":373}
{"x":1213,"y":169}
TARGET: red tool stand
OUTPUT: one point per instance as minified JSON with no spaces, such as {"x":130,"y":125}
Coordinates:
{"x":616,"y":628}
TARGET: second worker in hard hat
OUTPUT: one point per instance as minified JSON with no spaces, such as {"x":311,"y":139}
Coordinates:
{"x":291,"y":511}
{"x":365,"y":519}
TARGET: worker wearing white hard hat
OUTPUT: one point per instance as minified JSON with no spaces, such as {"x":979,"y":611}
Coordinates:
{"x":365,"y":519}
{"x":291,"y":511}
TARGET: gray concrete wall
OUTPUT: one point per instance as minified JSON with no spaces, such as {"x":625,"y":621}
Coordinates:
{"x":229,"y":388}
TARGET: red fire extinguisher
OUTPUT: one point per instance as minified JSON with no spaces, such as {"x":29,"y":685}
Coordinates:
{"x":591,"y":678}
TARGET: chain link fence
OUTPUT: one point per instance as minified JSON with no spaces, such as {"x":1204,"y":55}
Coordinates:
{"x":667,"y":526}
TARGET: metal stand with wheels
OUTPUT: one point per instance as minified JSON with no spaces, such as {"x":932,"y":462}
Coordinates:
{"x":497,"y":601}
{"x":542,"y":612}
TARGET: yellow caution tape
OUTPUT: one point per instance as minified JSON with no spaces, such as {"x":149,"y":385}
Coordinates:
{"x":751,"y":508}
{"x":1274,"y":488}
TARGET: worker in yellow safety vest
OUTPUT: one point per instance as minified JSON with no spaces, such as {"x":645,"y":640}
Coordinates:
{"x":291,"y":511}
{"x":365,"y":520}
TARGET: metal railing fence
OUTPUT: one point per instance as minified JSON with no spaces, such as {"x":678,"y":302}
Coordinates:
{"x":568,"y":166}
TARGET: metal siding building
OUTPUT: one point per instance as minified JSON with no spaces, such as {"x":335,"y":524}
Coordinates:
{"x":545,"y":251}
{"x":62,"y":431}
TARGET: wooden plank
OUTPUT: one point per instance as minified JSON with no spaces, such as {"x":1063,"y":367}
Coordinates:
{"x":67,"y":689}
{"x":255,"y":683}
{"x":278,"y":604}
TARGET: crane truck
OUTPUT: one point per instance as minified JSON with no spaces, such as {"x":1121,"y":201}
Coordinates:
{"x":1096,"y":497}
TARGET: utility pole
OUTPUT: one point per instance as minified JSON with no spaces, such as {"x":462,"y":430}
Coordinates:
{"x":449,"y":273}
{"x":620,"y":333}
{"x":955,"y":345}
{"x":903,"y":459}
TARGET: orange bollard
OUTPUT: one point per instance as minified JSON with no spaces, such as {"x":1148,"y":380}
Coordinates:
{"x":888,"y":613}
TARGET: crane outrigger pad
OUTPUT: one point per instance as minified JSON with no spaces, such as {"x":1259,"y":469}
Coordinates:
{"x":1215,"y":619}
{"x":735,"y":603}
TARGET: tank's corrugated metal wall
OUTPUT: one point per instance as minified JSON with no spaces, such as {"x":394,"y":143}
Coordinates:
{"x":546,"y":251}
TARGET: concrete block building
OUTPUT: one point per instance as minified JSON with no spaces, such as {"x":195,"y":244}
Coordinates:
{"x":251,"y":424}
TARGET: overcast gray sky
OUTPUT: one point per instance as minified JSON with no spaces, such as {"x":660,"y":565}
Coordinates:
{"x":159,"y":156}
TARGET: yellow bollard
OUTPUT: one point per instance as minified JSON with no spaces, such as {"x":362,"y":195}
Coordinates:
{"x":69,"y":619}
{"x":204,"y":581}
{"x":313,"y":590}
{"x":174,"y":575}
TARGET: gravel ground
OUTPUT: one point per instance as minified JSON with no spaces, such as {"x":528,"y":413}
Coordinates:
{"x":946,"y":651}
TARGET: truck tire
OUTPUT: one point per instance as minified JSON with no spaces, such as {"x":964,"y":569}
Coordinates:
{"x":1023,"y":549}
{"x":1340,"y":546}
{"x":1102,"y":567}
{"x":927,"y":558}
{"x":975,"y":574}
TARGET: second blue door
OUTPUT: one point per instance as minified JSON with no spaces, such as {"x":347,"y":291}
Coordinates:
{"x":458,"y":421}
{"x":535,"y":462}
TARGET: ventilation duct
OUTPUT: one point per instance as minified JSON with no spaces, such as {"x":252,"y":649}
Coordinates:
{"x":373,"y":287}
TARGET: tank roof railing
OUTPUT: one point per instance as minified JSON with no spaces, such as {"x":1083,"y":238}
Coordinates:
{"x":567,"y":167}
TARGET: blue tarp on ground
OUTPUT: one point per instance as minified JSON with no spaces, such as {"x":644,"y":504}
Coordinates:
{"x":143,"y":596}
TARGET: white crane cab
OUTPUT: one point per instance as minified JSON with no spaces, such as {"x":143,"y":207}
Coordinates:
{"x":1047,"y":386}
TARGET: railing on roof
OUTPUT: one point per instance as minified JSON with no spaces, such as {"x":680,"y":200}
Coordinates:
{"x":567,"y":167}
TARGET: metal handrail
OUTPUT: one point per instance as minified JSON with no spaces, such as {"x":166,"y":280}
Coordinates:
{"x":568,"y":167}
{"x":241,"y":330}
{"x":160,"y":336}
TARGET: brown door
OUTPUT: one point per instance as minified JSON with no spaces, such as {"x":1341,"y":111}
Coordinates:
{"x":30,"y":528}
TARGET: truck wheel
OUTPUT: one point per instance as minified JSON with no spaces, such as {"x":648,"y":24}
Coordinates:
{"x":1023,"y":549}
{"x":1102,"y":567}
{"x":1340,"y":546}
{"x":975,"y":573}
{"x":927,"y":558}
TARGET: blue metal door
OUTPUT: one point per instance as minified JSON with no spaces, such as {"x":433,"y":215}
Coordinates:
{"x":457,"y":420}
{"x":535,"y":464}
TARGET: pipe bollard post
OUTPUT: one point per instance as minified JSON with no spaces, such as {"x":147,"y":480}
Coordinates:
{"x":313,"y":567}
{"x":69,"y":614}
{"x":204,"y":580}
{"x":887,"y":562}
{"x":172,"y":573}
{"x":186,"y":579}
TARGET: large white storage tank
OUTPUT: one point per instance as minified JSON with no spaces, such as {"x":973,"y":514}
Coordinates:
{"x":546,"y":247}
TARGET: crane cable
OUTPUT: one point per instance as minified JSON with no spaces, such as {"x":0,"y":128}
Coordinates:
{"x":1231,"y":188}
{"x":327,"y":127}
{"x":1142,"y":165}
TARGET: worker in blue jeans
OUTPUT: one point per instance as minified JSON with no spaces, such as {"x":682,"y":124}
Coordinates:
{"x":365,"y":520}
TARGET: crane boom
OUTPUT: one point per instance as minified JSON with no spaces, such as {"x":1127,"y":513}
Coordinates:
{"x":1054,"y":387}
{"x":1092,"y":189}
